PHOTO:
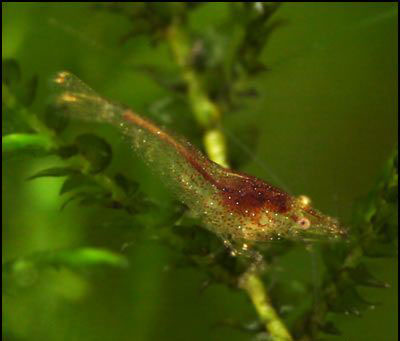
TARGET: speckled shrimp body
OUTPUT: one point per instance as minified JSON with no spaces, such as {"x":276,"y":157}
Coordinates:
{"x":248,"y":209}
{"x":235,"y":206}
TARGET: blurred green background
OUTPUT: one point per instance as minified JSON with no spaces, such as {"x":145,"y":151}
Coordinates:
{"x":327,"y":115}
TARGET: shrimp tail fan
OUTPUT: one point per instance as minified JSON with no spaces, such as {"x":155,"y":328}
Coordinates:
{"x":76,"y":100}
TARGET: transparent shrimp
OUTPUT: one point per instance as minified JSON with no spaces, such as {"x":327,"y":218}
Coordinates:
{"x":238,"y":207}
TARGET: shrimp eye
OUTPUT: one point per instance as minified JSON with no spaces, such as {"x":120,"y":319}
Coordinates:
{"x":304,"y":201}
{"x":304,"y":223}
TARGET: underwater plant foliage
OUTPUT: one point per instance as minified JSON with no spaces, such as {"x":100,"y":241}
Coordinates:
{"x":95,"y":247}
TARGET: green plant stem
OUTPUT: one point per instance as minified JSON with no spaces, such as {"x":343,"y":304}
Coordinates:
{"x":208,"y":116}
{"x":254,"y":287}
{"x":205,"y":111}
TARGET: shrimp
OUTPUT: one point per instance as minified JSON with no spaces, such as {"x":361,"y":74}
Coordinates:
{"x":237,"y":207}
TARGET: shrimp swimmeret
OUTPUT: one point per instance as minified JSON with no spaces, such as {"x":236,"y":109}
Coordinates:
{"x":236,"y":206}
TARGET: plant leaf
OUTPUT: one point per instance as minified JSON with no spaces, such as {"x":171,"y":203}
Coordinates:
{"x":83,"y":257}
{"x":349,"y":301}
{"x":330,"y":328}
{"x":53,"y":172}
{"x":72,"y":198}
{"x":28,"y":92}
{"x":96,"y":150}
{"x":28,"y":143}
{"x":55,"y":118}
{"x":65,"y":152}
{"x":11,"y":72}
{"x":76,"y":181}
{"x":362,"y":276}
{"x":25,"y":269}
{"x":129,"y":187}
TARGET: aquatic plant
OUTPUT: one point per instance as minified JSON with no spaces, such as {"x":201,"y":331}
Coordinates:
{"x":210,"y":84}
